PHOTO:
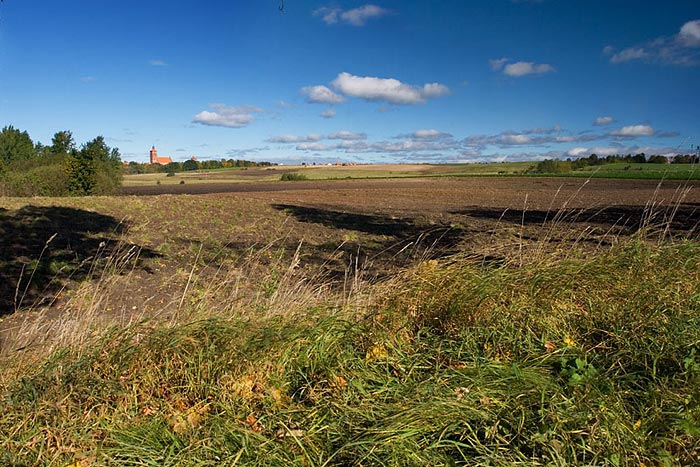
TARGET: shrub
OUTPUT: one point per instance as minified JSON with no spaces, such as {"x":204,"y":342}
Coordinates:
{"x":552,"y":166}
{"x":293,"y":176}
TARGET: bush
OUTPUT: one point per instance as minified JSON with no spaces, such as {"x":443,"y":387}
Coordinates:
{"x":293,"y":176}
{"x":47,"y":180}
{"x":552,"y":166}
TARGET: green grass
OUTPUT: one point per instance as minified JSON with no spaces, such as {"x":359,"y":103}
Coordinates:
{"x":641,"y":171}
{"x":590,"y":360}
{"x":321,"y":172}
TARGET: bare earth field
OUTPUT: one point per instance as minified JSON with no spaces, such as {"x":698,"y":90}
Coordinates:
{"x":155,"y":236}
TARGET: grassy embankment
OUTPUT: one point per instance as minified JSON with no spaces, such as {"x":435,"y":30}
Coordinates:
{"x":558,"y":360}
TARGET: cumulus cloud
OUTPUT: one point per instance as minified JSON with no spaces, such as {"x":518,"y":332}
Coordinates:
{"x":689,"y":34}
{"x":227,"y":116}
{"x":348,"y":135}
{"x":603,"y":120}
{"x":387,"y":89}
{"x":518,"y":69}
{"x":682,"y":48}
{"x":633,"y":131}
{"x":290,"y":139}
{"x":355,"y":17}
{"x":321,"y":95}
{"x":330,"y":113}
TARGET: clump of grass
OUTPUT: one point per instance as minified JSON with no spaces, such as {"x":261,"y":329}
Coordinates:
{"x":293,"y":177}
{"x":570,"y":361}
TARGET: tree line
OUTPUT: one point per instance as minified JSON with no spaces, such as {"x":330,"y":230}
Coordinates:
{"x":61,"y":169}
{"x":192,"y":164}
{"x":555,"y":166}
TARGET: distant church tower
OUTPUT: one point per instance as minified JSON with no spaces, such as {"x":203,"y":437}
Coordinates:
{"x":154,"y":155}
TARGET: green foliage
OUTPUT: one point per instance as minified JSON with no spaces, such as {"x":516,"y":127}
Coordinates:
{"x":293,"y":176}
{"x":564,"y":362}
{"x":190,"y":164}
{"x":552,"y":166}
{"x":41,"y":180}
{"x":62,"y":143}
{"x":15,"y":145}
{"x":59,"y":169}
{"x":94,"y":169}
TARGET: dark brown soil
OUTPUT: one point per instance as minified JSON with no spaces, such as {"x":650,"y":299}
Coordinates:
{"x":376,"y":225}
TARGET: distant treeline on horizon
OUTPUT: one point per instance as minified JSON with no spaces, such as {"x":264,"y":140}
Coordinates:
{"x":191,"y":164}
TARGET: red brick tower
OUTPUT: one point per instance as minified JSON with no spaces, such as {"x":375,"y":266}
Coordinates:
{"x":154,"y":155}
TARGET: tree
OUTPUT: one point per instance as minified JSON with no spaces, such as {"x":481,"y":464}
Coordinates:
{"x":190,"y":164}
{"x":94,"y":169}
{"x":62,"y":142}
{"x":657,"y":159}
{"x":15,"y":145}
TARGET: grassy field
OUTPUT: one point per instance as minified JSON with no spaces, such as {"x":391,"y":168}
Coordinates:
{"x":321,"y":172}
{"x":254,"y":329}
{"x":642,"y":171}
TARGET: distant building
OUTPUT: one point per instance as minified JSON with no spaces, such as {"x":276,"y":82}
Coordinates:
{"x":159,"y":160}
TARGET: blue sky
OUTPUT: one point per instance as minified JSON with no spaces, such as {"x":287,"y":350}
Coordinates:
{"x":379,"y":81}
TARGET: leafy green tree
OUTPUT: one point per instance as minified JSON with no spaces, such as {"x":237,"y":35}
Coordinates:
{"x":15,"y":145}
{"x":81,"y":173}
{"x":552,"y":166}
{"x":62,"y":142}
{"x":190,"y":165}
{"x":657,"y":159}
{"x":94,"y":169}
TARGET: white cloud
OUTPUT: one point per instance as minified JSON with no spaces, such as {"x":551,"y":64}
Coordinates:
{"x":515,"y":139}
{"x":518,"y":69}
{"x":87,"y":79}
{"x":689,"y":34}
{"x":603,"y":120}
{"x":348,"y":136}
{"x":355,"y":17}
{"x":626,"y":55}
{"x":621,"y":150}
{"x":389,"y":90}
{"x":633,"y":130}
{"x":321,"y":95}
{"x":530,"y":137}
{"x":289,"y":139}
{"x":227,"y":116}
{"x":314,"y":147}
{"x":430,"y":135}
{"x":284,"y":105}
{"x":157,"y":63}
{"x":576,"y":152}
{"x":682,"y":48}
{"x":497,"y":64}
{"x":330,"y":113}
{"x":328,"y":15}
{"x":359,"y":16}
